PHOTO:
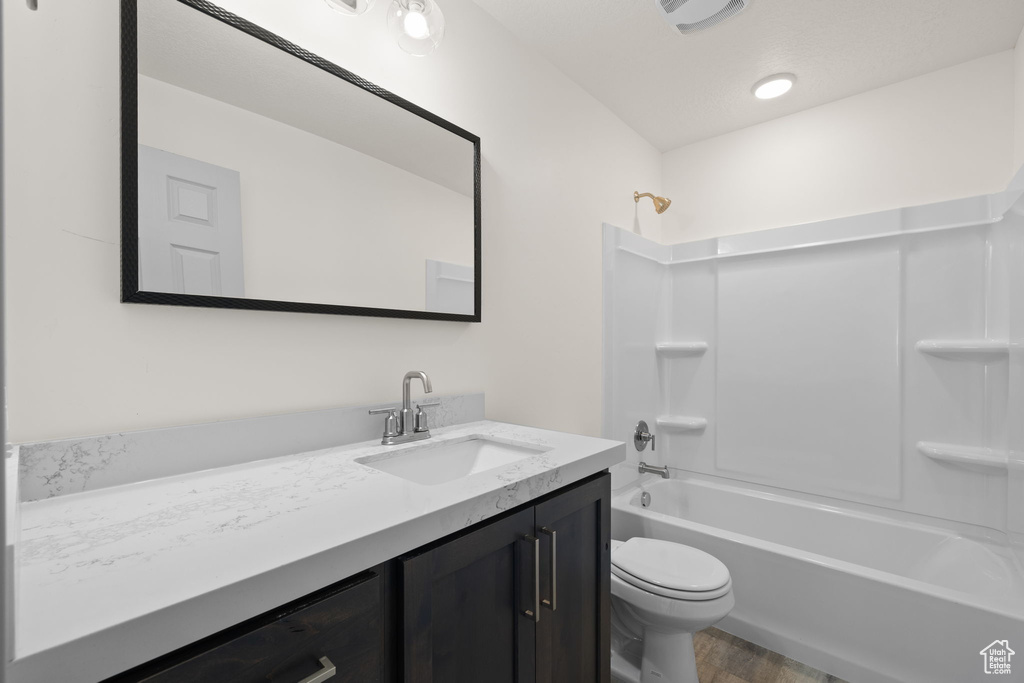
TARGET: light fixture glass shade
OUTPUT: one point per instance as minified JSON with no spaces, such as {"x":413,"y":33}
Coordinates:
{"x":416,"y":25}
{"x":350,"y":7}
{"x":773,"y":86}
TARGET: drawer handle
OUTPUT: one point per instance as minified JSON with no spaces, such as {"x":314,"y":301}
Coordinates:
{"x":327,"y":671}
{"x":554,"y":567}
{"x":535,"y":612}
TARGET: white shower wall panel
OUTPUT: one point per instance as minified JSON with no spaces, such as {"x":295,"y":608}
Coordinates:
{"x":812,"y":379}
{"x":636,"y":315}
{"x":1014,"y":225}
{"x":688,"y":382}
{"x":808,"y":369}
{"x":999,"y":290}
{"x":948,"y":399}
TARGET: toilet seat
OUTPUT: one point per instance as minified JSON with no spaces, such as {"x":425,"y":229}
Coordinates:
{"x":691,"y":596}
{"x":670,"y":570}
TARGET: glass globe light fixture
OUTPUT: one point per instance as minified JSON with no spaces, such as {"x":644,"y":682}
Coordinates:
{"x":349,"y":7}
{"x":416,"y":25}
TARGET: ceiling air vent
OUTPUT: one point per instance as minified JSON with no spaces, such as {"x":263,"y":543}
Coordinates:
{"x":690,"y":16}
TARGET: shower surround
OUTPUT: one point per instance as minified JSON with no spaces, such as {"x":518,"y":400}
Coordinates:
{"x":868,"y":367}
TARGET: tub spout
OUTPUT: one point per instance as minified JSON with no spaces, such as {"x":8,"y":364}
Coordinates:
{"x":663,"y":471}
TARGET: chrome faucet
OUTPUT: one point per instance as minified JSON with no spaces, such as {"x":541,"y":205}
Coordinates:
{"x":663,"y":471}
{"x":405,"y":424}
{"x":405,"y":421}
{"x":641,"y":437}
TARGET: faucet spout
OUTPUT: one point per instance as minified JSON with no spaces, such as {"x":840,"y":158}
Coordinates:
{"x":663,"y":471}
{"x":406,"y":419}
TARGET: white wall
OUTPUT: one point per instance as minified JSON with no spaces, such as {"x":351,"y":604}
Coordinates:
{"x":556,"y":164}
{"x":312,"y":209}
{"x":1015,"y":481}
{"x":1018,"y":73}
{"x":940,"y":136}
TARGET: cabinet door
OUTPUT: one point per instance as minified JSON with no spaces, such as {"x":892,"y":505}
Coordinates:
{"x":573,"y":638}
{"x":338,"y":628}
{"x":465,"y":606}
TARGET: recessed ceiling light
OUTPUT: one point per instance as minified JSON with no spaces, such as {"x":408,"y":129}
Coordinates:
{"x":773,"y":86}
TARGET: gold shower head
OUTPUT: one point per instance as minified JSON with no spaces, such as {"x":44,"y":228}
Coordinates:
{"x":660,"y":203}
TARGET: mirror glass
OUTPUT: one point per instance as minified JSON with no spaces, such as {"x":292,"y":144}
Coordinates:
{"x":269,"y":178}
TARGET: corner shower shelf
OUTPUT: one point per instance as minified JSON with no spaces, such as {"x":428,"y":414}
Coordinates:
{"x":682,"y":424}
{"x":967,"y":349}
{"x":970,"y":456}
{"x":680,"y":349}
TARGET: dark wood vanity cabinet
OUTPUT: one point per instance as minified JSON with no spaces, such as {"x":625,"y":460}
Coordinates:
{"x":522,"y":597}
{"x":467,"y":606}
{"x":573,"y":639}
{"x":338,"y":627}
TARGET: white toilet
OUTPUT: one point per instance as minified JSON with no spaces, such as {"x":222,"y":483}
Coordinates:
{"x":662,"y":593}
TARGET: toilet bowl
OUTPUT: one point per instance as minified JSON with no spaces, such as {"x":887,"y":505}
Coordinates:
{"x":662,"y":593}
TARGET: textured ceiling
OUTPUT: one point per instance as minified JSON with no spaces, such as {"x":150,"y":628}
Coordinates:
{"x":676,"y":89}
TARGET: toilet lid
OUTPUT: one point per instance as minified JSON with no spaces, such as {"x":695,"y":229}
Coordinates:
{"x":689,"y":596}
{"x":669,"y":565}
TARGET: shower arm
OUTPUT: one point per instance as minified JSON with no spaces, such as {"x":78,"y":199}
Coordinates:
{"x":661,"y":204}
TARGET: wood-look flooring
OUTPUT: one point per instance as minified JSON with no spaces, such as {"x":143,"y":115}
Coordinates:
{"x":724,"y":658}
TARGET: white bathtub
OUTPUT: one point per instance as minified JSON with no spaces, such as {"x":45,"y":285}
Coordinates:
{"x":863,"y":596}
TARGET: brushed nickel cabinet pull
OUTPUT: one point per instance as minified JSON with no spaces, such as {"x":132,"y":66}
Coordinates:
{"x":554,"y":567}
{"x":535,"y":612}
{"x":327,"y":671}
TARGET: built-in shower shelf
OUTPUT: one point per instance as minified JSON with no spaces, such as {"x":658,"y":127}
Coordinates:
{"x":967,"y":349}
{"x":682,"y":424}
{"x":679,"y":349}
{"x":970,"y":456}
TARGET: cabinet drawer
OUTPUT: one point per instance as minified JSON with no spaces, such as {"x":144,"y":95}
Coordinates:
{"x":341,"y":623}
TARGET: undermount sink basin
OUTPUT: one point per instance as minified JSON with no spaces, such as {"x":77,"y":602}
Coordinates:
{"x":447,"y":461}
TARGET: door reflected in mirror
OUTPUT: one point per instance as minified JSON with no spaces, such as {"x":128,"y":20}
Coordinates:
{"x":269,"y":178}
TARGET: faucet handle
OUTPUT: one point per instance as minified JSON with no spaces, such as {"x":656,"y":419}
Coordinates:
{"x":381,"y":411}
{"x":390,"y":422}
{"x":641,"y":436}
{"x":421,"y":417}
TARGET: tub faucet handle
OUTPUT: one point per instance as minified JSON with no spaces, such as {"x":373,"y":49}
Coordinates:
{"x":641,"y":435}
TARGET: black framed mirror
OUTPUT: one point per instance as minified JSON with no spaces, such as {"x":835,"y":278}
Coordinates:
{"x":257,"y":175}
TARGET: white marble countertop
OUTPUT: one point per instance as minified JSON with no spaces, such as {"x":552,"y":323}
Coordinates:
{"x":112,"y":578}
